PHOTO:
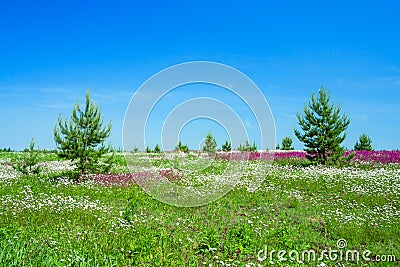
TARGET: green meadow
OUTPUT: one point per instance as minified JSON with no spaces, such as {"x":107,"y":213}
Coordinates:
{"x":47,"y":219}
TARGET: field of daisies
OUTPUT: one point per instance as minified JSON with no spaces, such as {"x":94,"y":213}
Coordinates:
{"x":278,"y":202}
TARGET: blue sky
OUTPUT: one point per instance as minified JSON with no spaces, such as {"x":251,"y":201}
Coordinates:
{"x":51,"y":51}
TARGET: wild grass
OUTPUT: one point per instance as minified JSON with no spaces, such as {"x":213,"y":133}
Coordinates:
{"x":56,"y":222}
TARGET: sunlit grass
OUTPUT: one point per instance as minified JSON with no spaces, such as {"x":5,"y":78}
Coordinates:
{"x":54,"y":222}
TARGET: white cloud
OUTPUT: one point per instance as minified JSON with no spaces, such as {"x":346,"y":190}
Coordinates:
{"x":54,"y":105}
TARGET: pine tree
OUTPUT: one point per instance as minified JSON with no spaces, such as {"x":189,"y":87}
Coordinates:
{"x":182,"y":148}
{"x":324,"y":128}
{"x":253,"y":147}
{"x":178,"y":146}
{"x":227,"y":146}
{"x":247,"y":147}
{"x":364,"y":143}
{"x":82,"y":138}
{"x":210,"y":143}
{"x":287,"y":143}
{"x":29,"y":165}
{"x":241,"y":148}
{"x":157,"y":149}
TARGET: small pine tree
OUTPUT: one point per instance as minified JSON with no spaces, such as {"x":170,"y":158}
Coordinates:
{"x":210,"y":143}
{"x":287,"y":143}
{"x":148,"y":149}
{"x":182,"y":148}
{"x":157,"y":149}
{"x":227,"y":146}
{"x":241,"y":148}
{"x":29,"y":165}
{"x":364,"y":143}
{"x":323,"y":127}
{"x":247,"y":147}
{"x":253,"y":147}
{"x":82,"y":138}
{"x":178,"y":146}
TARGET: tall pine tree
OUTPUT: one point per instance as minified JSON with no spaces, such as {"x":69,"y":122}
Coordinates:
{"x":82,"y":138}
{"x":323,"y":128}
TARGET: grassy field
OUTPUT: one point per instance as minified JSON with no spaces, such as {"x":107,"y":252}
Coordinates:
{"x":107,"y":220}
